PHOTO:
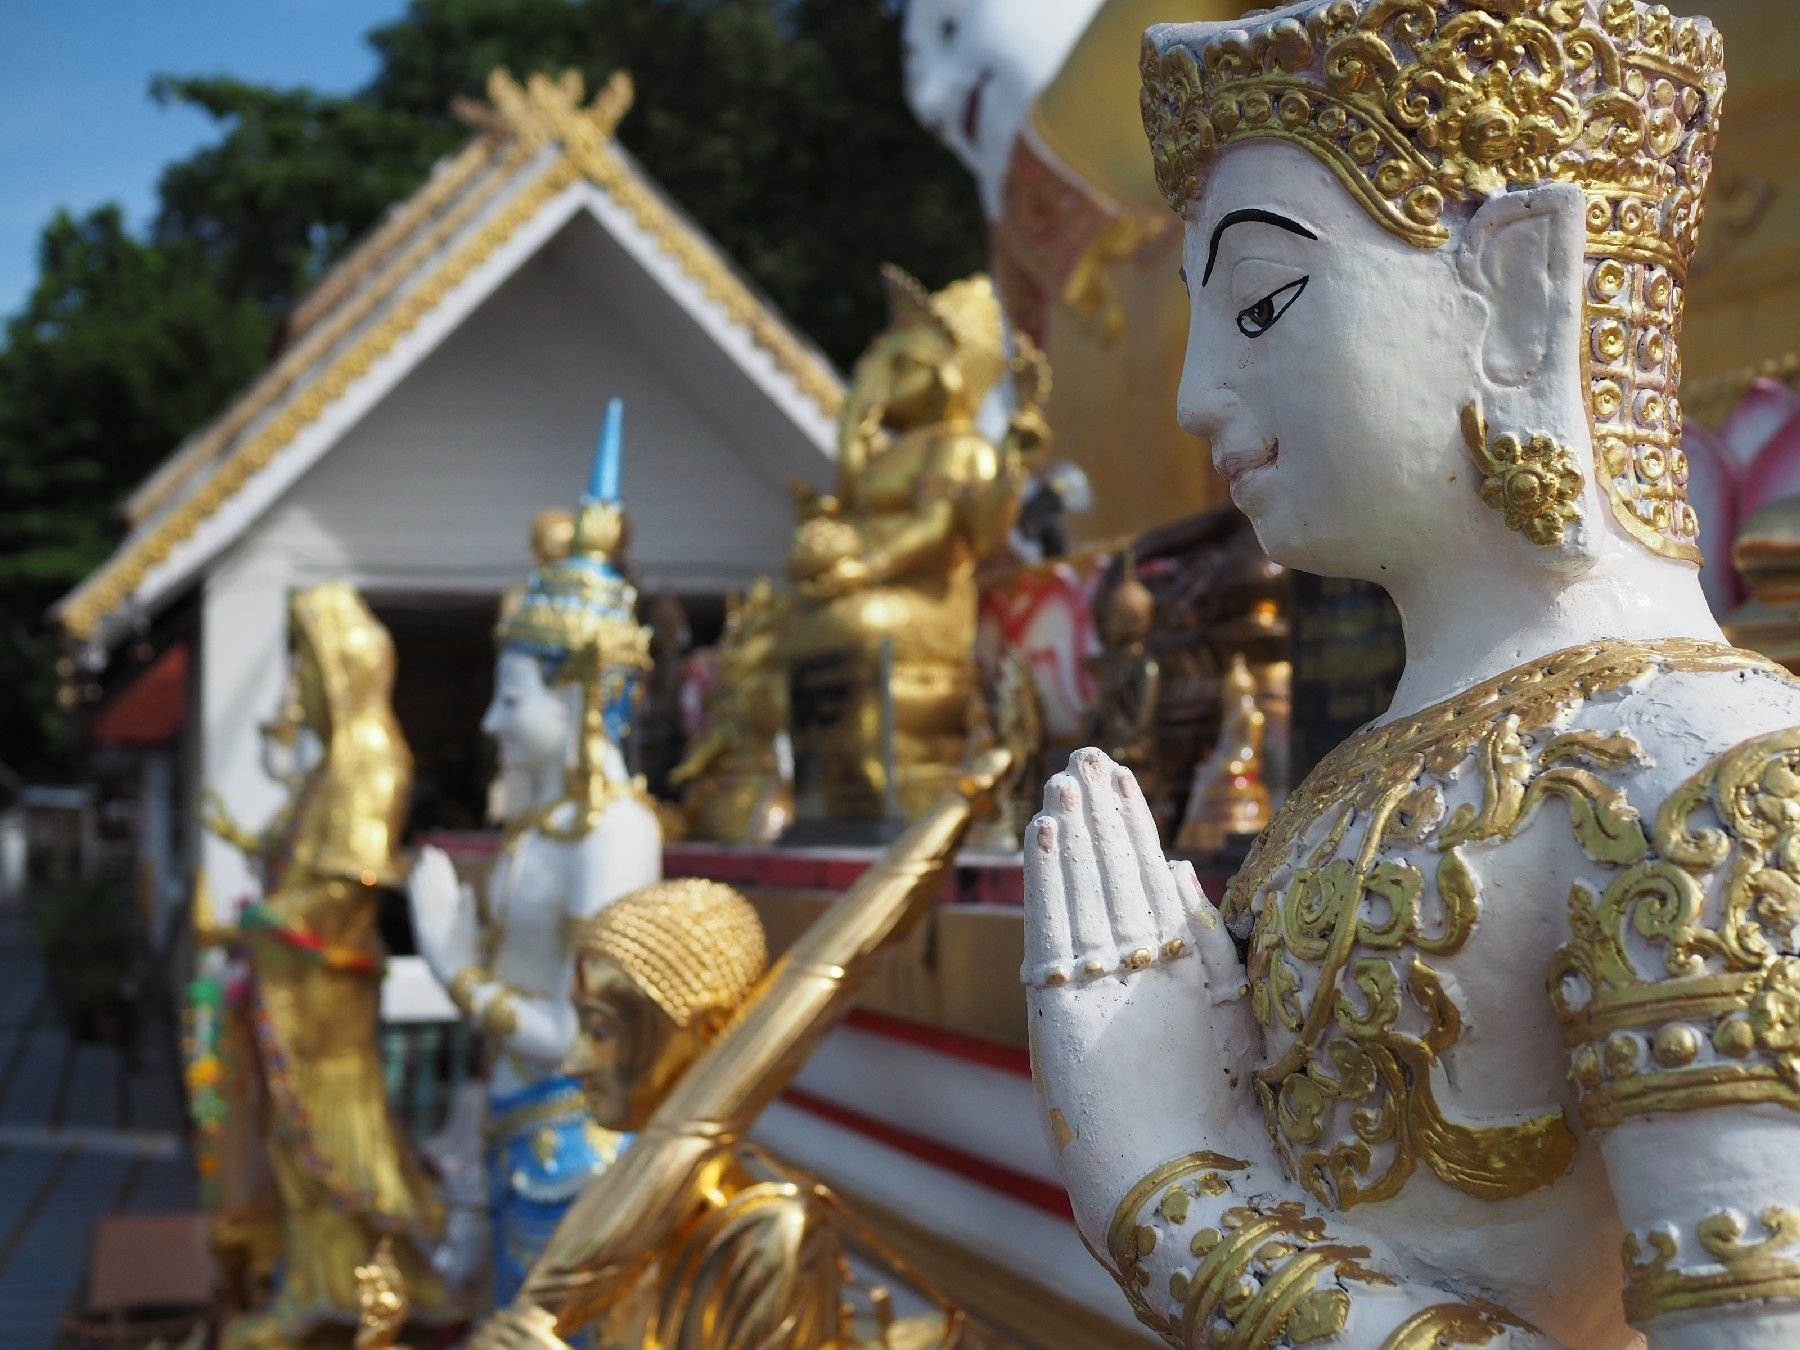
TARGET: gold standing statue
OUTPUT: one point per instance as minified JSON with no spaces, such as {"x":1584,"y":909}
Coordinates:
{"x":692,"y":1240}
{"x":737,"y":777}
{"x":343,"y":1173}
{"x":921,"y":497}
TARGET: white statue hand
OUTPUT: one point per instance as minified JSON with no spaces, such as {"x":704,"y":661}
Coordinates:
{"x":446,"y":922}
{"x":1141,"y":1032}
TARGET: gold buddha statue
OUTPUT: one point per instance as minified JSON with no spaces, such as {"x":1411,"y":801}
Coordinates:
{"x":888,"y":560}
{"x":343,"y":1173}
{"x":693,"y":1239}
{"x":1230,"y":796}
{"x":1127,"y":679}
{"x":736,"y":779}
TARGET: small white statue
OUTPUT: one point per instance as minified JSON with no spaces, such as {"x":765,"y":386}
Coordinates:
{"x":571,"y":652}
{"x":1515,"y":1055}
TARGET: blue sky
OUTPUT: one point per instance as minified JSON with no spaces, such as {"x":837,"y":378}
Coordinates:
{"x":77,"y":126}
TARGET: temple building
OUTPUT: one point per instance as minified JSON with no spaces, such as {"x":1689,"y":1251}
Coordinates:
{"x":439,"y":387}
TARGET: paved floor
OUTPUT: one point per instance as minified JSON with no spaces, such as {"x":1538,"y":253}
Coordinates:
{"x":85,"y":1130}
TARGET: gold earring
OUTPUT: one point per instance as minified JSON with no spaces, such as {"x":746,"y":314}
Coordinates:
{"x":1534,"y":484}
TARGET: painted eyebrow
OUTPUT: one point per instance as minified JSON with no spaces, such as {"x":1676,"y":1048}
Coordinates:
{"x":1249,"y":213}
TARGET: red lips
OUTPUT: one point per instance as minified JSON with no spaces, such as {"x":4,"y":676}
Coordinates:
{"x":1237,"y":467}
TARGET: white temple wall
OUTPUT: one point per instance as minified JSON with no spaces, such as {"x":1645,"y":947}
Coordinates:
{"x":243,"y":667}
{"x":435,"y":489}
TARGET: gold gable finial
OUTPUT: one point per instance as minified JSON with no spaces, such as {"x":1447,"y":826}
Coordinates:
{"x":1422,"y":108}
{"x":545,"y":109}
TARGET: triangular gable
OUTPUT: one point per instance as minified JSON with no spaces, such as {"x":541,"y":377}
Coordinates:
{"x":538,"y":141}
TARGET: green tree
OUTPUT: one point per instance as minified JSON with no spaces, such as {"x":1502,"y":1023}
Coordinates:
{"x":122,"y":347}
{"x":779,"y":125}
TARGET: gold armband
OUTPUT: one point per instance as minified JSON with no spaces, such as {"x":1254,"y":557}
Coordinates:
{"x":1245,"y":1272}
{"x":500,"y":1018}
{"x":463,"y":985}
{"x":1250,"y":1275}
{"x":1719,"y":1261}
{"x":1676,"y":991}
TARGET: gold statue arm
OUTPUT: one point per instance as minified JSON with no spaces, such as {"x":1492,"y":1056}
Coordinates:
{"x":216,"y":818}
{"x":1679,"y":993}
{"x":630,"y":1210}
{"x":714,"y":742}
{"x":860,"y":422}
{"x":926,"y":538}
{"x":1207,"y":1257}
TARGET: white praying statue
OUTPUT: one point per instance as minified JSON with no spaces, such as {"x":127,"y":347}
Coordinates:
{"x":571,"y":653}
{"x":1511,"y":1055}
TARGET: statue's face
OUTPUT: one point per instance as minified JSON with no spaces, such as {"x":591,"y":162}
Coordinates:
{"x":975,"y":67}
{"x":628,"y":1053}
{"x":920,"y":380}
{"x":1327,"y":363}
{"x":529,"y":721}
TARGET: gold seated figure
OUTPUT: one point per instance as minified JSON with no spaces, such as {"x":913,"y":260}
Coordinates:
{"x":735,"y":784}
{"x":890,"y":559}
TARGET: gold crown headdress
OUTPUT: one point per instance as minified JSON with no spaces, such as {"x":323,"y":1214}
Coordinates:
{"x":1418,"y":104}
{"x":578,"y":615}
{"x":578,"y":610}
{"x":965,"y":313}
{"x":693,"y":946}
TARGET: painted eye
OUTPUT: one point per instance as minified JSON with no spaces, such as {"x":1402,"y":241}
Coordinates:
{"x":949,"y":30}
{"x":1255,"y":320}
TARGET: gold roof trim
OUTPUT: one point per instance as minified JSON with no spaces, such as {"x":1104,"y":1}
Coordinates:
{"x":291,"y":366}
{"x":542,"y":111}
{"x":551,"y":110}
{"x":353,"y":268}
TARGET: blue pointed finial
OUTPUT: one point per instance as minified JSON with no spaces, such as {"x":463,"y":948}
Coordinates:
{"x":603,"y":482}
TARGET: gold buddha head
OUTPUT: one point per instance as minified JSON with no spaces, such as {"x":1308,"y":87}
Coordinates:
{"x":1435,"y":255}
{"x":939,"y":356}
{"x":658,"y":975}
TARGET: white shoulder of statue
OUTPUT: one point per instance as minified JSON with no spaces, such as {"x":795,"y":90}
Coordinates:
{"x":1678,"y":989}
{"x":622,"y":853}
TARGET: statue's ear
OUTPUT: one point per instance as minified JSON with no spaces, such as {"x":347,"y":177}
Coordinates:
{"x":1523,"y":255}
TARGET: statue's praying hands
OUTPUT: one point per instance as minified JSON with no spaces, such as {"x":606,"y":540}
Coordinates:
{"x":1143,"y":1048}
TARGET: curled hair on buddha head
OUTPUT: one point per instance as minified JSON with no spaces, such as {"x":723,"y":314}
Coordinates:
{"x":1424,"y":110}
{"x":695,"y":947}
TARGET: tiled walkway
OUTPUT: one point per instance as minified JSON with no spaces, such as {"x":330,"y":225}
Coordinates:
{"x":84,"y":1131}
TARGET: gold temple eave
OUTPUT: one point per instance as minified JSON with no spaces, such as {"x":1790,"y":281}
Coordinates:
{"x":520,"y":120}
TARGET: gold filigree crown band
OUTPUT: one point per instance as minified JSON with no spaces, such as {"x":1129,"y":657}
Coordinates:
{"x":1419,"y":104}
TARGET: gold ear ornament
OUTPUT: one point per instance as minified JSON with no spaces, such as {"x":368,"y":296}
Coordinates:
{"x":1534,"y":483}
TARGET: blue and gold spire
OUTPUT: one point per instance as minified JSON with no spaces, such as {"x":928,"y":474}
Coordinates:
{"x":578,"y":614}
